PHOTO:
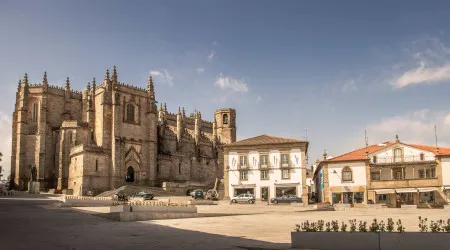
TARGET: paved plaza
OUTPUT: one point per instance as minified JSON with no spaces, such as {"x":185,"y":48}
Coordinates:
{"x":35,"y":222}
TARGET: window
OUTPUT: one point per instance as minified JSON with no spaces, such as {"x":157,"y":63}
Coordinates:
{"x":383,"y":198}
{"x":398,"y":173}
{"x":375,"y":176}
{"x":130,"y":113}
{"x":427,"y":197}
{"x":96,"y":165}
{"x":347,"y":174}
{"x":285,"y":159}
{"x":244,"y":175}
{"x":35,"y":112}
{"x":225,"y":118}
{"x":422,"y":156}
{"x":243,"y":161}
{"x":374,"y":159}
{"x":263,"y":160}
{"x":264,"y":175}
{"x":358,"y":197}
{"x":421,"y":174}
{"x":285,"y":174}
{"x":398,"y":155}
{"x":431,"y":173}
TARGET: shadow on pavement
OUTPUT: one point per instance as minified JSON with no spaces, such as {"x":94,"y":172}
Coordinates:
{"x":39,"y":224}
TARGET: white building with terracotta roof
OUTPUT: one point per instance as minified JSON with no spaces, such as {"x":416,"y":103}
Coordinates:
{"x":266,"y":166}
{"x":391,"y":174}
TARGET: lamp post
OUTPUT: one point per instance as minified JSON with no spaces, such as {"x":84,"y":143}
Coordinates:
{"x":1,"y":168}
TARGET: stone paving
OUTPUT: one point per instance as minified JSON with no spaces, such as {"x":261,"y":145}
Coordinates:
{"x":246,"y":226}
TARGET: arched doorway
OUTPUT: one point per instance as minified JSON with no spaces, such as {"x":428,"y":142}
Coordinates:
{"x":130,"y":175}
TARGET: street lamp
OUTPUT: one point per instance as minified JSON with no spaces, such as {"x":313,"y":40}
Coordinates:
{"x":1,"y":168}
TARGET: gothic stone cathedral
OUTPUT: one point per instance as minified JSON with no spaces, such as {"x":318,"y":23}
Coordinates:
{"x":109,"y":135}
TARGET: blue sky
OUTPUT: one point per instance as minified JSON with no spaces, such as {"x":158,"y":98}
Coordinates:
{"x":334,"y":68}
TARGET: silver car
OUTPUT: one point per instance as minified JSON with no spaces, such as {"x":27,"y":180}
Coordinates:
{"x":247,"y":198}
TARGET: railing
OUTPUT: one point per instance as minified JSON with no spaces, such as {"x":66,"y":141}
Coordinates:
{"x":243,"y":166}
{"x":264,"y":166}
{"x":404,"y":159}
{"x":285,"y":165}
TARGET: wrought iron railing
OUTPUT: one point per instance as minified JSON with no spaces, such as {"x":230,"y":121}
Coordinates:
{"x":404,"y":159}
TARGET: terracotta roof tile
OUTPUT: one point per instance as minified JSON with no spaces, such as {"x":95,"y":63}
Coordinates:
{"x":264,"y":139}
{"x":360,"y":154}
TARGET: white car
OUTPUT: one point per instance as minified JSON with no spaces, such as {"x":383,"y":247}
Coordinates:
{"x":248,"y":198}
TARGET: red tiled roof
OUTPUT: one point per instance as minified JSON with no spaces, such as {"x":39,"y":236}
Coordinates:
{"x":263,"y":139}
{"x":360,"y":154}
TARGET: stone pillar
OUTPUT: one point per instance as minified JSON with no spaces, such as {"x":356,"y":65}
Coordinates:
{"x":226,"y":175}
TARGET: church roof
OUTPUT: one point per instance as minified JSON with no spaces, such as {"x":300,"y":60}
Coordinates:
{"x":263,"y":140}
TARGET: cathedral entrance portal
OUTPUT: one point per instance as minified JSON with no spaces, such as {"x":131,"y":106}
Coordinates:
{"x":130,"y":175}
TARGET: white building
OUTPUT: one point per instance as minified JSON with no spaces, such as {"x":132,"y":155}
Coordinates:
{"x":391,"y":173}
{"x":266,"y":166}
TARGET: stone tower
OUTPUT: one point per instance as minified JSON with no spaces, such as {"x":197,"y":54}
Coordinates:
{"x":225,"y":122}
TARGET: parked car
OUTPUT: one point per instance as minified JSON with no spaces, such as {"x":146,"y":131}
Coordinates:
{"x":199,"y":194}
{"x":248,"y":198}
{"x":189,"y":192}
{"x":144,"y":195}
{"x":286,"y":199}
{"x":194,"y":191}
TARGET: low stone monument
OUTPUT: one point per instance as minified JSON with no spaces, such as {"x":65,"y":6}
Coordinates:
{"x":33,"y":185}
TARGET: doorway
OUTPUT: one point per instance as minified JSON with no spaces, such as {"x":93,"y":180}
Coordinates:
{"x":264,"y":193}
{"x":130,"y":175}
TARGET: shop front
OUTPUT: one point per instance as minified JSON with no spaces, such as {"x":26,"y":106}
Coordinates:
{"x":244,"y":189}
{"x":406,"y":196}
{"x":348,"y":195}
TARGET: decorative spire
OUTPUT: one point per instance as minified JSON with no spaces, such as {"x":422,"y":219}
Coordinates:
{"x":114,"y":74}
{"x":179,"y":111}
{"x":20,"y":85}
{"x":67,"y":83}
{"x":45,"y":81}
{"x":93,"y":83}
{"x":396,"y":138}
{"x":150,"y":84}
{"x":107,"y":75}
{"x":325,"y":155}
{"x":88,"y":86}
{"x":25,"y":79}
{"x":183,"y":112}
{"x":160,"y":107}
{"x":165,"y":107}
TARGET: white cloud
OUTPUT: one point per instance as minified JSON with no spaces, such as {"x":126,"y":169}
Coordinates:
{"x":349,"y":86}
{"x":211,"y":56}
{"x":258,"y":99}
{"x":428,"y":62}
{"x":163,"y":76}
{"x":200,"y":70}
{"x":226,"y":82}
{"x":413,"y":127}
{"x":416,"y":127}
{"x":424,"y":75}
{"x":5,"y":147}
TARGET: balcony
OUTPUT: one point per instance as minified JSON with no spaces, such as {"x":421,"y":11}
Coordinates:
{"x":264,"y":166}
{"x":285,"y":165}
{"x":403,"y":183}
{"x":243,"y":166}
{"x":402,"y":160}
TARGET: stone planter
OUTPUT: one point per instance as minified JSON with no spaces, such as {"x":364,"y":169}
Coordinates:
{"x":369,"y":241}
{"x":334,"y":240}
{"x":409,"y":206}
{"x":414,"y":241}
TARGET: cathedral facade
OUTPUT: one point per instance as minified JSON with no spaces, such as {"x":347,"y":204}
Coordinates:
{"x":109,"y":135}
